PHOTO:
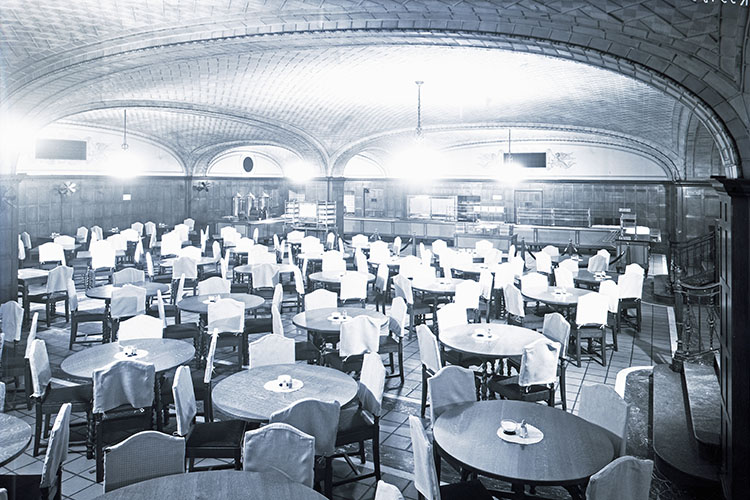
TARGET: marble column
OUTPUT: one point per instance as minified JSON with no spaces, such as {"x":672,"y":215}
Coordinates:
{"x":733,"y":249}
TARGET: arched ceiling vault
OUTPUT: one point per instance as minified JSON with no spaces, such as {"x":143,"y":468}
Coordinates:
{"x":293,"y":66}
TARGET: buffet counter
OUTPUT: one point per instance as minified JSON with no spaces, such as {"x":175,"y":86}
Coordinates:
{"x":266,"y":227}
{"x":421,"y":228}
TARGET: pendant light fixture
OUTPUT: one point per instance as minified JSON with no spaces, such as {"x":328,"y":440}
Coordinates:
{"x":419,"y":133}
{"x":125,"y":130}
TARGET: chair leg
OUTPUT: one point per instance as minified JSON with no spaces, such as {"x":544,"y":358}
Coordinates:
{"x":376,"y":453}
{"x":563,"y":396}
{"x":38,"y":429}
{"x":392,"y":366}
{"x":401,"y":361}
{"x":73,"y":332}
{"x":604,"y":347}
{"x":99,"y":457}
{"x":578,"y":350}
{"x":638,"y":315}
{"x":328,"y":481}
{"x":424,"y":391}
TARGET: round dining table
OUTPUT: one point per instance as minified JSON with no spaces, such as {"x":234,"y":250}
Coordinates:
{"x":164,"y":354}
{"x":29,"y":276}
{"x":439,"y":286}
{"x":247,"y":269}
{"x":218,"y":484}
{"x":592,"y":280}
{"x":203,"y":261}
{"x":199,"y":303}
{"x":565,"y":299}
{"x":490,"y":342}
{"x":243,"y":395}
{"x":321,"y":329}
{"x":570,"y":452}
{"x":15,"y":435}
{"x":329,"y":278}
{"x":104,"y":292}
{"x":474,"y":269}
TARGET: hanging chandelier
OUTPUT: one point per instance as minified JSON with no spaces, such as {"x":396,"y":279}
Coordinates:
{"x":124,"y":130}
{"x":419,"y":132}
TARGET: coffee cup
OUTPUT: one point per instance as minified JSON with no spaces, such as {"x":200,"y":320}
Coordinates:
{"x":284,"y":381}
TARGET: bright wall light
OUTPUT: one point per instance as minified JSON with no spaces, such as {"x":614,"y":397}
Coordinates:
{"x":125,"y":164}
{"x":419,"y":162}
{"x":510,"y":173}
{"x":299,"y":171}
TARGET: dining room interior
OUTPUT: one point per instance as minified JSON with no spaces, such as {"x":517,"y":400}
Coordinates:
{"x":374,"y":250}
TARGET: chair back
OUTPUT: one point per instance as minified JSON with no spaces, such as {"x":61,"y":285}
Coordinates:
{"x":381,"y":278}
{"x":359,"y":335}
{"x":517,"y":264}
{"x":360,"y":261}
{"x":604,"y":253}
{"x":2,"y":388}
{"x":183,"y":393}
{"x":182,"y":231}
{"x":569,"y":265}
{"x":143,"y":456}
{"x":51,"y":252}
{"x":425,"y":477}
{"x":57,"y":453}
{"x":557,"y":329}
{"x":58,"y":278}
{"x":543,"y":263}
{"x":226,"y":315}
{"x":320,"y":299}
{"x":408,"y":265}
{"x":190,"y":223}
{"x":451,"y":385}
{"x":330,"y":241}
{"x":438,"y":246}
{"x":82,"y":234}
{"x":451,"y":315}
{"x":227,"y":234}
{"x":402,"y":288}
{"x":26,"y":240}
{"x":634,"y":268}
{"x":513,"y":301}
{"x":216,"y":251}
{"x":214,"y":285}
{"x":532,"y":282}
{"x":299,"y":282}
{"x":539,"y":363}
{"x":31,"y":337}
{"x":592,"y":309}
{"x":142,"y":326}
{"x":551,"y":250}
{"x":41,"y":372}
{"x":492,"y":256}
{"x":467,"y":294}
{"x":128,"y":275}
{"x":485,"y":284}
{"x":482,"y":247}
{"x":333,"y":261}
{"x":429,"y":349}
{"x":564,"y":278}
{"x":127,"y":300}
{"x":385,"y":491}
{"x":224,"y":267}
{"x":194,"y":253}
{"x":185,"y":265}
{"x":21,"y":249}
{"x":130,"y":234}
{"x":271,"y":349}
{"x":316,"y":418}
{"x":626,"y":478}
{"x":504,"y":275}
{"x":280,"y":448}
{"x":118,"y":242}
{"x":137,"y":227}
{"x":177,"y":295}
{"x":360,"y":241}
{"x":311,"y":244}
{"x":398,"y":316}
{"x":426,"y":257}
{"x":353,"y":286}
{"x":102,"y":255}
{"x":149,"y":228}
{"x":277,"y":326}
{"x":397,"y":246}
{"x":612,"y":291}
{"x":601,"y":405}
{"x":12,"y":315}
{"x":138,"y":253}
{"x":124,"y":382}
{"x":597,"y":264}
{"x":98,"y":232}
{"x":265,"y":276}
{"x":170,"y":244}
{"x":379,"y":251}
{"x":372,"y":383}
{"x":630,"y":285}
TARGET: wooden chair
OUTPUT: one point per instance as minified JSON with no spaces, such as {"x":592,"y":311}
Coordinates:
{"x":626,"y":478}
{"x":280,"y":448}
{"x":393,"y":343}
{"x":141,"y":457}
{"x":537,"y":377}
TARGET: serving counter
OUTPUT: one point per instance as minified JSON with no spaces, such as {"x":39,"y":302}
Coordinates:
{"x":266,"y":227}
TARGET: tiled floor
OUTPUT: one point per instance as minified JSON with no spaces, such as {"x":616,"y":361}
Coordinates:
{"x":650,"y":346}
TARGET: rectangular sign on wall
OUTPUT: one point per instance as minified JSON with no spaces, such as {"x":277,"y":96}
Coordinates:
{"x":60,"y":149}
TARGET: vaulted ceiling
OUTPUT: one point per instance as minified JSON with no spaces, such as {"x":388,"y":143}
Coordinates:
{"x":329,"y":79}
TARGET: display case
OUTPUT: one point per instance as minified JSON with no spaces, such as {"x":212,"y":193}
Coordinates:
{"x":500,"y":234}
{"x":441,"y":208}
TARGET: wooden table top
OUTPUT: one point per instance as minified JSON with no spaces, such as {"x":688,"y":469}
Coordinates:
{"x":571,"y":451}
{"x":334,"y":277}
{"x":199,"y":303}
{"x":248,"y":268}
{"x":218,"y":484}
{"x":15,"y":435}
{"x":164,"y":354}
{"x":589,"y":279}
{"x":548,"y":296}
{"x":474,"y":268}
{"x":317,"y":319}
{"x":437,"y":286}
{"x":502,"y":341}
{"x":243,"y":396}
{"x":27,"y":274}
{"x":104,"y":292}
